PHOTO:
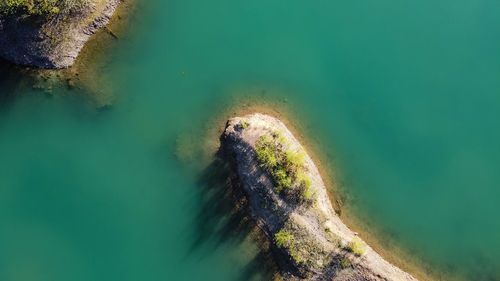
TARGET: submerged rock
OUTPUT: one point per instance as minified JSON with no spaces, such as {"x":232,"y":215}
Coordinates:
{"x":288,"y":200}
{"x":50,"y":33}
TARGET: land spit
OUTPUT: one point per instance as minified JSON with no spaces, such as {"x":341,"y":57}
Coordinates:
{"x":289,"y":202}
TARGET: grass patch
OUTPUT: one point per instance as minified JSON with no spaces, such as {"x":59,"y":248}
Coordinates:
{"x":285,"y":166}
{"x":356,"y":246}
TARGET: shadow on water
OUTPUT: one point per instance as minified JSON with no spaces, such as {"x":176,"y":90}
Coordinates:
{"x":223,"y":220}
{"x":18,"y":81}
{"x":79,"y":82}
{"x":10,"y":78}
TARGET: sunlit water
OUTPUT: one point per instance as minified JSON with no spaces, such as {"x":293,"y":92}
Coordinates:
{"x":403,"y":97}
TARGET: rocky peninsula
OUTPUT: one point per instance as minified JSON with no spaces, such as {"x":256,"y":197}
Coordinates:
{"x":50,"y":33}
{"x":289,"y":202}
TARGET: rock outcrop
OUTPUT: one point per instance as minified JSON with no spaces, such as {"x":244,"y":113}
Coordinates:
{"x":310,"y":240}
{"x":52,"y":41}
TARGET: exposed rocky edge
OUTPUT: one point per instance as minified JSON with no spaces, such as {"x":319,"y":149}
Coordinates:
{"x":310,"y":240}
{"x":52,"y":41}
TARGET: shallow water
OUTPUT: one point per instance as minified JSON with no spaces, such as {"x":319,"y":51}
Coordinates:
{"x":402,"y":97}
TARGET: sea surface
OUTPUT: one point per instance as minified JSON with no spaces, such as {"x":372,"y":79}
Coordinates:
{"x":401,"y":97}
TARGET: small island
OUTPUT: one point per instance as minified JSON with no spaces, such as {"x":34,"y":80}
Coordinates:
{"x":289,"y":202}
{"x":50,"y":33}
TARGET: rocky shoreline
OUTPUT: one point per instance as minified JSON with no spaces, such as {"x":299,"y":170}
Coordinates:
{"x":54,"y":41}
{"x":289,"y":202}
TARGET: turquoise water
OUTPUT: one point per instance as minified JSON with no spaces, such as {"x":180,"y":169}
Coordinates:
{"x":401,"y":96}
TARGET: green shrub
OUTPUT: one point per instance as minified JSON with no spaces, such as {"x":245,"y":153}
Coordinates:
{"x":306,"y":193}
{"x":305,"y":185}
{"x":357,"y":247}
{"x":282,"y":179}
{"x":295,"y":255}
{"x":285,"y":166}
{"x":303,"y":179}
{"x":282,"y":140}
{"x":244,"y":124}
{"x":295,"y":160}
{"x":283,"y":238}
{"x":266,"y":153}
